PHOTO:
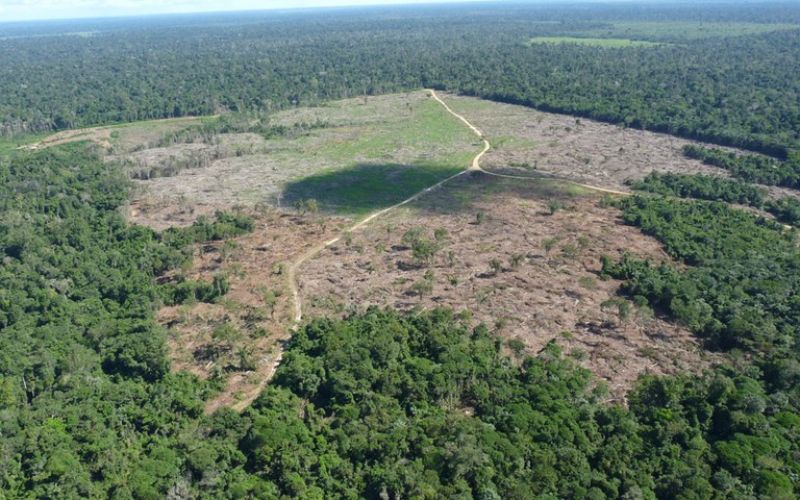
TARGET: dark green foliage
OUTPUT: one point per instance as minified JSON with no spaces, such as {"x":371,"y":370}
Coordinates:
{"x":378,"y":404}
{"x":740,"y":293}
{"x":785,"y":210}
{"x":741,"y":289}
{"x":751,"y":168}
{"x":712,"y":88}
{"x":355,"y":398}
{"x":88,"y":407}
{"x":225,"y":225}
{"x":703,"y":187}
{"x":188,"y":291}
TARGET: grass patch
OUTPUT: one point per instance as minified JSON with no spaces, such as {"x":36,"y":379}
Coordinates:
{"x":9,"y":144}
{"x":365,"y":187}
{"x":429,"y":124}
{"x":614,"y":43}
{"x":396,"y":149}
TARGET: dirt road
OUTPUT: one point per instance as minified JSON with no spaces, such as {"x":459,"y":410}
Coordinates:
{"x":293,"y":267}
{"x":475,"y":166}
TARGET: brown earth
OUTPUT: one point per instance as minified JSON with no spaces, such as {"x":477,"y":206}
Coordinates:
{"x":254,"y":318}
{"x":534,"y":143}
{"x":525,"y":273}
{"x":126,"y":137}
{"x":352,"y":132}
{"x":547,"y":286}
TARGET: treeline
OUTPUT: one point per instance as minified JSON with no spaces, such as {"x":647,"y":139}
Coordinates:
{"x":702,"y":187}
{"x":208,"y":132}
{"x":89,"y":407}
{"x":386,"y":406}
{"x":739,"y":293}
{"x":713,"y":188}
{"x":207,"y":145}
{"x":711,"y":89}
{"x":380,"y":404}
{"x":751,"y":168}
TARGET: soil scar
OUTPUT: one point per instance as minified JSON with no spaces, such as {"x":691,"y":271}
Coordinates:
{"x":291,"y":274}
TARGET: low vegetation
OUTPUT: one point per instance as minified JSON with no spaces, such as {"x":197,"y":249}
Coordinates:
{"x":129,"y":357}
{"x":740,"y":289}
{"x":751,"y":168}
{"x":704,"y":187}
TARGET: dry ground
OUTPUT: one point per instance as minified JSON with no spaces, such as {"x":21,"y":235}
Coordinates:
{"x":116,"y":138}
{"x":238,"y":340}
{"x":398,"y":130}
{"x":544,"y":284}
{"x":547,"y":287}
{"x":530,"y":142}
{"x":253,"y":319}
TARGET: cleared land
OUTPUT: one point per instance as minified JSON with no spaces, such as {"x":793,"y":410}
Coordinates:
{"x":237,"y":340}
{"x":366,"y":154}
{"x":527,"y":142}
{"x":520,"y":255}
{"x":507,"y":262}
{"x":113,"y":138}
{"x":616,"y":43}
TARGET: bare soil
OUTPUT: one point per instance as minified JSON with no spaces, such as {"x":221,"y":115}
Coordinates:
{"x":546,"y":287}
{"x":528,"y":274}
{"x":254,"y":317}
{"x":530,"y":142}
{"x":115,"y":138}
{"x":251,"y":171}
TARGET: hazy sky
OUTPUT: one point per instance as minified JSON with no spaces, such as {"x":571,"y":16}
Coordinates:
{"x":14,"y":10}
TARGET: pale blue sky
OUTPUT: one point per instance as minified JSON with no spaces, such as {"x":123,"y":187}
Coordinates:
{"x":15,"y":10}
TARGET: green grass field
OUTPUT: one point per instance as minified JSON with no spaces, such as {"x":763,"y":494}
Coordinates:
{"x":614,"y":43}
{"x":388,"y":150}
{"x":363,"y":155}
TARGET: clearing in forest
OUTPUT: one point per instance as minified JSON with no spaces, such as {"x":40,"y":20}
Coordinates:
{"x":366,"y":156}
{"x":351,"y":156}
{"x":527,"y":142}
{"x":112,"y":138}
{"x":683,"y":30}
{"x":521,"y":255}
{"x":523,"y":258}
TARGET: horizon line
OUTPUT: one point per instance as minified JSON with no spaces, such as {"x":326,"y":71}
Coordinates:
{"x":288,"y":9}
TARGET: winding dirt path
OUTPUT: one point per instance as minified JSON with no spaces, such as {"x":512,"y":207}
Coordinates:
{"x":476,"y":162}
{"x":291,"y":273}
{"x":99,"y":135}
{"x":311,"y":253}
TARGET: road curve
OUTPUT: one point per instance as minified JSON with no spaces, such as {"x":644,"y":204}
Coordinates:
{"x":293,"y":267}
{"x":476,"y":163}
{"x":313,"y":252}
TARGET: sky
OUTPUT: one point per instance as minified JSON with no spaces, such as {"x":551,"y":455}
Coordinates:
{"x":19,"y":10}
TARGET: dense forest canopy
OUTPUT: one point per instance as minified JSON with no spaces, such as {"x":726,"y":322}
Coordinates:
{"x":730,"y":86}
{"x":379,"y":404}
{"x":382,"y":404}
